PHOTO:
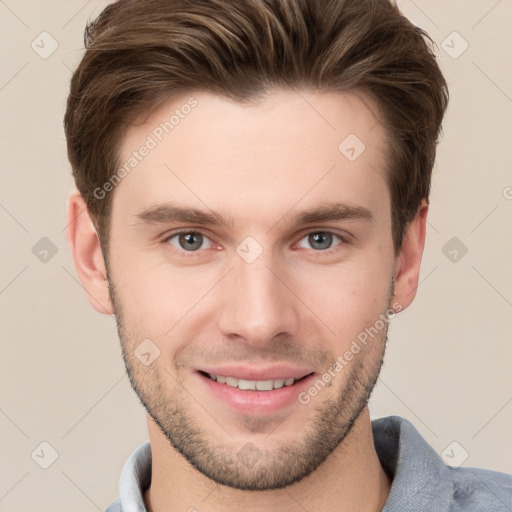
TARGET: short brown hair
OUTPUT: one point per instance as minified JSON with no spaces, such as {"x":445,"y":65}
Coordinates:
{"x":141,"y":52}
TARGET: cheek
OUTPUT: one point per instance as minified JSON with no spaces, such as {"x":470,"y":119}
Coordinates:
{"x":158,"y":298}
{"x":347,"y":298}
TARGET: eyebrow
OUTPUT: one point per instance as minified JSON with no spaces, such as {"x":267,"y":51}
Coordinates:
{"x":168,"y":212}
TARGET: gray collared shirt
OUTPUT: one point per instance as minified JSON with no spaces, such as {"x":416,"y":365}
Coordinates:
{"x":421,"y":482}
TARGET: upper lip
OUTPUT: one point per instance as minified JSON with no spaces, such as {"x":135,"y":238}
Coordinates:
{"x":267,"y":373}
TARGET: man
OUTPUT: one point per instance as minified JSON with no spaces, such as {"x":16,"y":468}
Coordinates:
{"x":253,"y":181}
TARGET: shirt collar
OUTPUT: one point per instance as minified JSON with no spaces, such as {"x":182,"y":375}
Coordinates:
{"x":420,"y":479}
{"x":135,"y":479}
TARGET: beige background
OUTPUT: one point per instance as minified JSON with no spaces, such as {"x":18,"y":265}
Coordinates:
{"x":448,"y":366}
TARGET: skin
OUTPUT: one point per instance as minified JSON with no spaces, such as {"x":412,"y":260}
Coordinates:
{"x":258,"y":166}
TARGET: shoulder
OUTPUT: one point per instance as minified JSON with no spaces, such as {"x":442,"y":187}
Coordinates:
{"x":421,"y":481}
{"x":480,"y":489}
{"x":135,"y":479}
{"x":115,"y":507}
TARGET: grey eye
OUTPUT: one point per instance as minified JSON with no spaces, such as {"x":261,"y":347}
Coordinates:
{"x":320,"y":240}
{"x":190,"y":241}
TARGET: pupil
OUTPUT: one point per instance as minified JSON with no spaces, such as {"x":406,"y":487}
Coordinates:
{"x":320,"y":241}
{"x":191,"y":241}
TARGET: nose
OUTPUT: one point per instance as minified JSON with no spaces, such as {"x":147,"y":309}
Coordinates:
{"x":256,"y":304}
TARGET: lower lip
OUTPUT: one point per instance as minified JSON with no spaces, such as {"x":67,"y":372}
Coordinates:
{"x":250,"y":401}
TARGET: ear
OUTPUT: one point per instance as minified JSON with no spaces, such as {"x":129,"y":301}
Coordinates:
{"x":86,"y":250}
{"x":408,"y":261}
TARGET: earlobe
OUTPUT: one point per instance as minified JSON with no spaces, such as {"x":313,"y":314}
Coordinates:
{"x":408,"y":261}
{"x":87,"y":254}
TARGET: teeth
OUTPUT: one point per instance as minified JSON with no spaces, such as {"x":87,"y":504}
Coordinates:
{"x":256,"y":385}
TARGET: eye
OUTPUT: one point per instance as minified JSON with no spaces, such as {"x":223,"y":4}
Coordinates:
{"x":320,"y":240}
{"x":190,"y":241}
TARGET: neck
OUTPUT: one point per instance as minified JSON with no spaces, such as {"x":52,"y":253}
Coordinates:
{"x":350,"y":479}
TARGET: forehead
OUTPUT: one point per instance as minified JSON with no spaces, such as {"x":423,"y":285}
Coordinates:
{"x":292,"y":147}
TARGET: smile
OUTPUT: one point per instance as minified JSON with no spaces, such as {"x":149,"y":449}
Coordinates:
{"x":256,"y":385}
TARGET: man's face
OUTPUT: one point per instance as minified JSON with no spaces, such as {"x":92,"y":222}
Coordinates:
{"x":249,"y":244}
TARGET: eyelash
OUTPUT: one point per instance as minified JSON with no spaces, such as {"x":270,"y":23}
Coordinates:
{"x":343,"y":241}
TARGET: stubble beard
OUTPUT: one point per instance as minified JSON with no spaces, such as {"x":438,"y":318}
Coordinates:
{"x":250,"y":467}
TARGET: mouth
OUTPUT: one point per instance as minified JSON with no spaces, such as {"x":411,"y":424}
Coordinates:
{"x":256,"y":392}
{"x":254,"y":385}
